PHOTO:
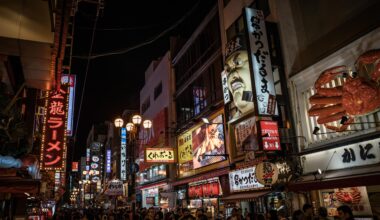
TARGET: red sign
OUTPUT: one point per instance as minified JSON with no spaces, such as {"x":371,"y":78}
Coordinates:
{"x":53,"y":146}
{"x":269,"y":135}
{"x":207,"y":188}
{"x":74,"y":167}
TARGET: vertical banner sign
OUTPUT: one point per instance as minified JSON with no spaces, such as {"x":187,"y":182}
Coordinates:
{"x":261,"y":63}
{"x":226,"y":92}
{"x":270,"y":135}
{"x":53,"y":146}
{"x":123,"y":155}
{"x":108,"y":161}
{"x":74,"y":166}
{"x":185,"y":149}
{"x":70,"y":80}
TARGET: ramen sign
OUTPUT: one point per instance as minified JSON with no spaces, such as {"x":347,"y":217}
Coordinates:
{"x":266,"y":173}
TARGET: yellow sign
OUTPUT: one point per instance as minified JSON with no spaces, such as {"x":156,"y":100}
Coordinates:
{"x":159,"y":155}
{"x":185,"y":148}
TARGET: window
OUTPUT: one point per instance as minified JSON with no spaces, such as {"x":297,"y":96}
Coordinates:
{"x":157,"y":90}
{"x":145,"y":105}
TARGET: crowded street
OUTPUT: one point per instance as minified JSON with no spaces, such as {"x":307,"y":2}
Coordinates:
{"x":189,"y":110}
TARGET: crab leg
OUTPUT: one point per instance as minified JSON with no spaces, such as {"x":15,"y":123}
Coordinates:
{"x":326,"y":110}
{"x":323,"y":119}
{"x":325,"y":100}
{"x":341,"y":128}
{"x":329,"y":75}
{"x":330,"y":92}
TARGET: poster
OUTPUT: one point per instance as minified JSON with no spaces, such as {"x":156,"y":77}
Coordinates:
{"x":355,"y":197}
{"x":208,"y":141}
{"x":185,"y":149}
{"x":245,"y":133}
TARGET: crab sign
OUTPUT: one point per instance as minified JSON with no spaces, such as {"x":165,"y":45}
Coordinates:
{"x":359,"y":95}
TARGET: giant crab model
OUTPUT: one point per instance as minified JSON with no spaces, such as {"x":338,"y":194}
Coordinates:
{"x":359,"y":95}
{"x":352,"y":196}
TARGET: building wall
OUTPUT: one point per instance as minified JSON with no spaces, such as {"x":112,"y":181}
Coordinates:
{"x":313,"y":30}
{"x":158,"y":71}
{"x":26,"y":20}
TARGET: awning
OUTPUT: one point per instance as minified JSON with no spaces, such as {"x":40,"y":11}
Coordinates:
{"x":19,"y":186}
{"x":210,"y":174}
{"x":247,"y":196}
{"x":362,"y":180}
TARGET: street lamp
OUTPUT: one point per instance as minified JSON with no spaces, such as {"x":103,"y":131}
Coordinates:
{"x":119,"y":122}
{"x":133,"y":128}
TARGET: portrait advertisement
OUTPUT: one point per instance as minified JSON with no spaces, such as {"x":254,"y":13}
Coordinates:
{"x":244,"y":135}
{"x":208,"y":141}
{"x":236,"y":78}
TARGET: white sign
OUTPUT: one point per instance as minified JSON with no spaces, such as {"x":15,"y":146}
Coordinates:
{"x":114,"y":188}
{"x":244,"y":179}
{"x":123,"y":154}
{"x":226,"y":92}
{"x":353,"y":155}
{"x":71,"y":80}
{"x":261,"y":63}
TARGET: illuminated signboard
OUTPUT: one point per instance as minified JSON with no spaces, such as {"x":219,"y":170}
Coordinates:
{"x":159,"y":155}
{"x":123,"y":154}
{"x":269,"y":135}
{"x":236,"y":78}
{"x":201,"y":145}
{"x":74,"y":166}
{"x":53,"y":146}
{"x":244,"y":179}
{"x":205,"y":188}
{"x":261,"y":62}
{"x":185,"y":149}
{"x":71,"y":81}
{"x":207,"y":141}
{"x":108,"y":161}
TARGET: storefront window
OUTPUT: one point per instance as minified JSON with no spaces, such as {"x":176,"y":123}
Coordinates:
{"x":152,"y":174}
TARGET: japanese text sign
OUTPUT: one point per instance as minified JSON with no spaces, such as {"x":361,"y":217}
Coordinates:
{"x":71,"y":81}
{"x":226,"y":92}
{"x":114,"y":188}
{"x":53,"y":146}
{"x":269,"y":135}
{"x":352,"y":155}
{"x":123,"y":154}
{"x":108,"y":161}
{"x":261,"y":63}
{"x":185,"y":149}
{"x":159,"y":155}
{"x":244,"y":179}
{"x":74,"y":166}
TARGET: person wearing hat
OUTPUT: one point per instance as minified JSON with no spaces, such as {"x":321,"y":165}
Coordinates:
{"x":239,"y":75}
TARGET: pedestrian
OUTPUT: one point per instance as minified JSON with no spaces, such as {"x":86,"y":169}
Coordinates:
{"x":298,"y":215}
{"x":159,"y":215}
{"x":199,"y":214}
{"x":186,"y":215}
{"x":282,"y":214}
{"x":272,"y":215}
{"x":150,"y":214}
{"x":345,"y":213}
{"x":308,"y":211}
{"x":322,"y":214}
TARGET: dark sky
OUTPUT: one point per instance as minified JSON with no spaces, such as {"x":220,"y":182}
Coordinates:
{"x":114,"y":81}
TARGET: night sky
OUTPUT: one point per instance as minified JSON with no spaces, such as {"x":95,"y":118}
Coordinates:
{"x":114,"y":81}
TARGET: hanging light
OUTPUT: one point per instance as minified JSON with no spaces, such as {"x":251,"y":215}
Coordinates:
{"x":136,"y":119}
{"x":147,"y":123}
{"x":119,"y":122}
{"x":129,"y":126}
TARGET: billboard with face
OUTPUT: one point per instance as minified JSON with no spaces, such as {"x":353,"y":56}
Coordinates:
{"x":208,"y":141}
{"x":201,"y":145}
{"x":237,"y":78}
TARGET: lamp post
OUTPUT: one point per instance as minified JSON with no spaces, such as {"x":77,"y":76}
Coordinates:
{"x":133,"y":128}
